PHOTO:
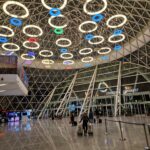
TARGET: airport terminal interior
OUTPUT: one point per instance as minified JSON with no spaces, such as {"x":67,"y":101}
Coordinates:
{"x":74,"y":74}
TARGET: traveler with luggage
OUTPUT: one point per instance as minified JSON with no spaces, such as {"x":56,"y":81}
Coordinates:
{"x":85,"y":120}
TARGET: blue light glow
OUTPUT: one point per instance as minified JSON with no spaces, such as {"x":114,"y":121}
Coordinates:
{"x":97,"y":18}
{"x":15,"y":22}
{"x":104,"y":57}
{"x":117,"y":47}
{"x":3,"y":40}
{"x":55,"y":12}
{"x":89,"y":36}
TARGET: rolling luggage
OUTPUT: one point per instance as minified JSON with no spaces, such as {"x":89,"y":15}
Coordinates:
{"x":80,"y":130}
{"x":75,"y":123}
{"x":90,"y":129}
{"x":100,"y":120}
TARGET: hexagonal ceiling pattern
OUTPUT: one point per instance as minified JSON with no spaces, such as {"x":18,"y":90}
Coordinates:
{"x":61,"y":34}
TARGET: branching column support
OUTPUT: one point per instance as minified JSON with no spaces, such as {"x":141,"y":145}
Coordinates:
{"x":47,"y":103}
{"x":118,"y":93}
{"x":87,"y":103}
{"x":62,"y":107}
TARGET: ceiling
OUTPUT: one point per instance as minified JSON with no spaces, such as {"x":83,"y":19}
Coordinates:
{"x":62,"y":34}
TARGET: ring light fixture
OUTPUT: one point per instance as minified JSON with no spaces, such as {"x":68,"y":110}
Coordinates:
{"x":99,"y":42}
{"x":86,"y":51}
{"x":114,"y":17}
{"x":7,"y":28}
{"x":55,"y":12}
{"x":96,"y":12}
{"x":116,"y":41}
{"x":32,"y":26}
{"x":15,"y":22}
{"x":87,"y":59}
{"x":68,"y":62}
{"x":63,"y":39}
{"x":66,"y":57}
{"x":88,"y":22}
{"x":47,"y":62}
{"x":41,"y":53}
{"x":6,"y":4}
{"x":48,"y":7}
{"x":23,"y":56}
{"x":29,"y":47}
{"x":3,"y":39}
{"x":54,"y":26}
{"x":104,"y":53}
{"x":12,"y":44}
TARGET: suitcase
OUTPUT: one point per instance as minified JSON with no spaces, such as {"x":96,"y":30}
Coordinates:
{"x":100,"y":120}
{"x":80,"y":130}
{"x":75,"y":123}
{"x":90,"y":129}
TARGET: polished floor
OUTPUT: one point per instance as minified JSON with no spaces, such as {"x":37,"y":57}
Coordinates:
{"x":59,"y":135}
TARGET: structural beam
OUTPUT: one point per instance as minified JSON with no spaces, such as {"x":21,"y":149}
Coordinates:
{"x":46,"y":104}
{"x":62,"y":107}
{"x":118,"y":93}
{"x":89,"y":95}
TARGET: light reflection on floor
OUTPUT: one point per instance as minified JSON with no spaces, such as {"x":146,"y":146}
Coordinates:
{"x":59,"y":135}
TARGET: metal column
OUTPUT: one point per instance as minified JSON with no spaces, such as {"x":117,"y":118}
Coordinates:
{"x":66,"y":98}
{"x":89,"y":95}
{"x":47,"y":103}
{"x":118,"y":94}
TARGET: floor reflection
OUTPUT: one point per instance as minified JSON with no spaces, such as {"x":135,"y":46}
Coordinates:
{"x":55,"y":135}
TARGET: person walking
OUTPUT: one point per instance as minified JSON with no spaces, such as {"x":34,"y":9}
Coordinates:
{"x":85,"y":120}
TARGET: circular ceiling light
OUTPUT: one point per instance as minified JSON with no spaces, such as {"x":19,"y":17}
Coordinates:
{"x":116,"y":41}
{"x":59,"y":31}
{"x":32,"y":26}
{"x":87,"y":22}
{"x":85,"y":51}
{"x":97,"y":12}
{"x":10,"y":44}
{"x":63,"y":39}
{"x":3,"y":40}
{"x":95,"y":43}
{"x":46,"y":55}
{"x":48,"y":7}
{"x":68,"y":62}
{"x":87,"y":59}
{"x":97,"y":18}
{"x":101,"y":52}
{"x":54,"y":26}
{"x":116,"y":16}
{"x":55,"y":12}
{"x":28,"y":47}
{"x":63,"y":55}
{"x":2,"y":84}
{"x":15,"y":3}
{"x":47,"y":62}
{"x":103,"y":89}
{"x":23,"y":56}
{"x":89,"y":37}
{"x":7,"y":35}
{"x":15,"y":22}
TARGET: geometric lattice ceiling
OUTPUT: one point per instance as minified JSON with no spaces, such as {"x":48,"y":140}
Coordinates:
{"x":73,"y":33}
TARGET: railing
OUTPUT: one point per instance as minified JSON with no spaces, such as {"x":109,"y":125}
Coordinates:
{"x":147,"y":147}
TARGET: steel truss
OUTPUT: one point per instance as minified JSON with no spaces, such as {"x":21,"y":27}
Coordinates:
{"x":63,"y":105}
{"x":87,"y":102}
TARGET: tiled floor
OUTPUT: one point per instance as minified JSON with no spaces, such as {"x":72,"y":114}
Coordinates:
{"x":59,"y":135}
